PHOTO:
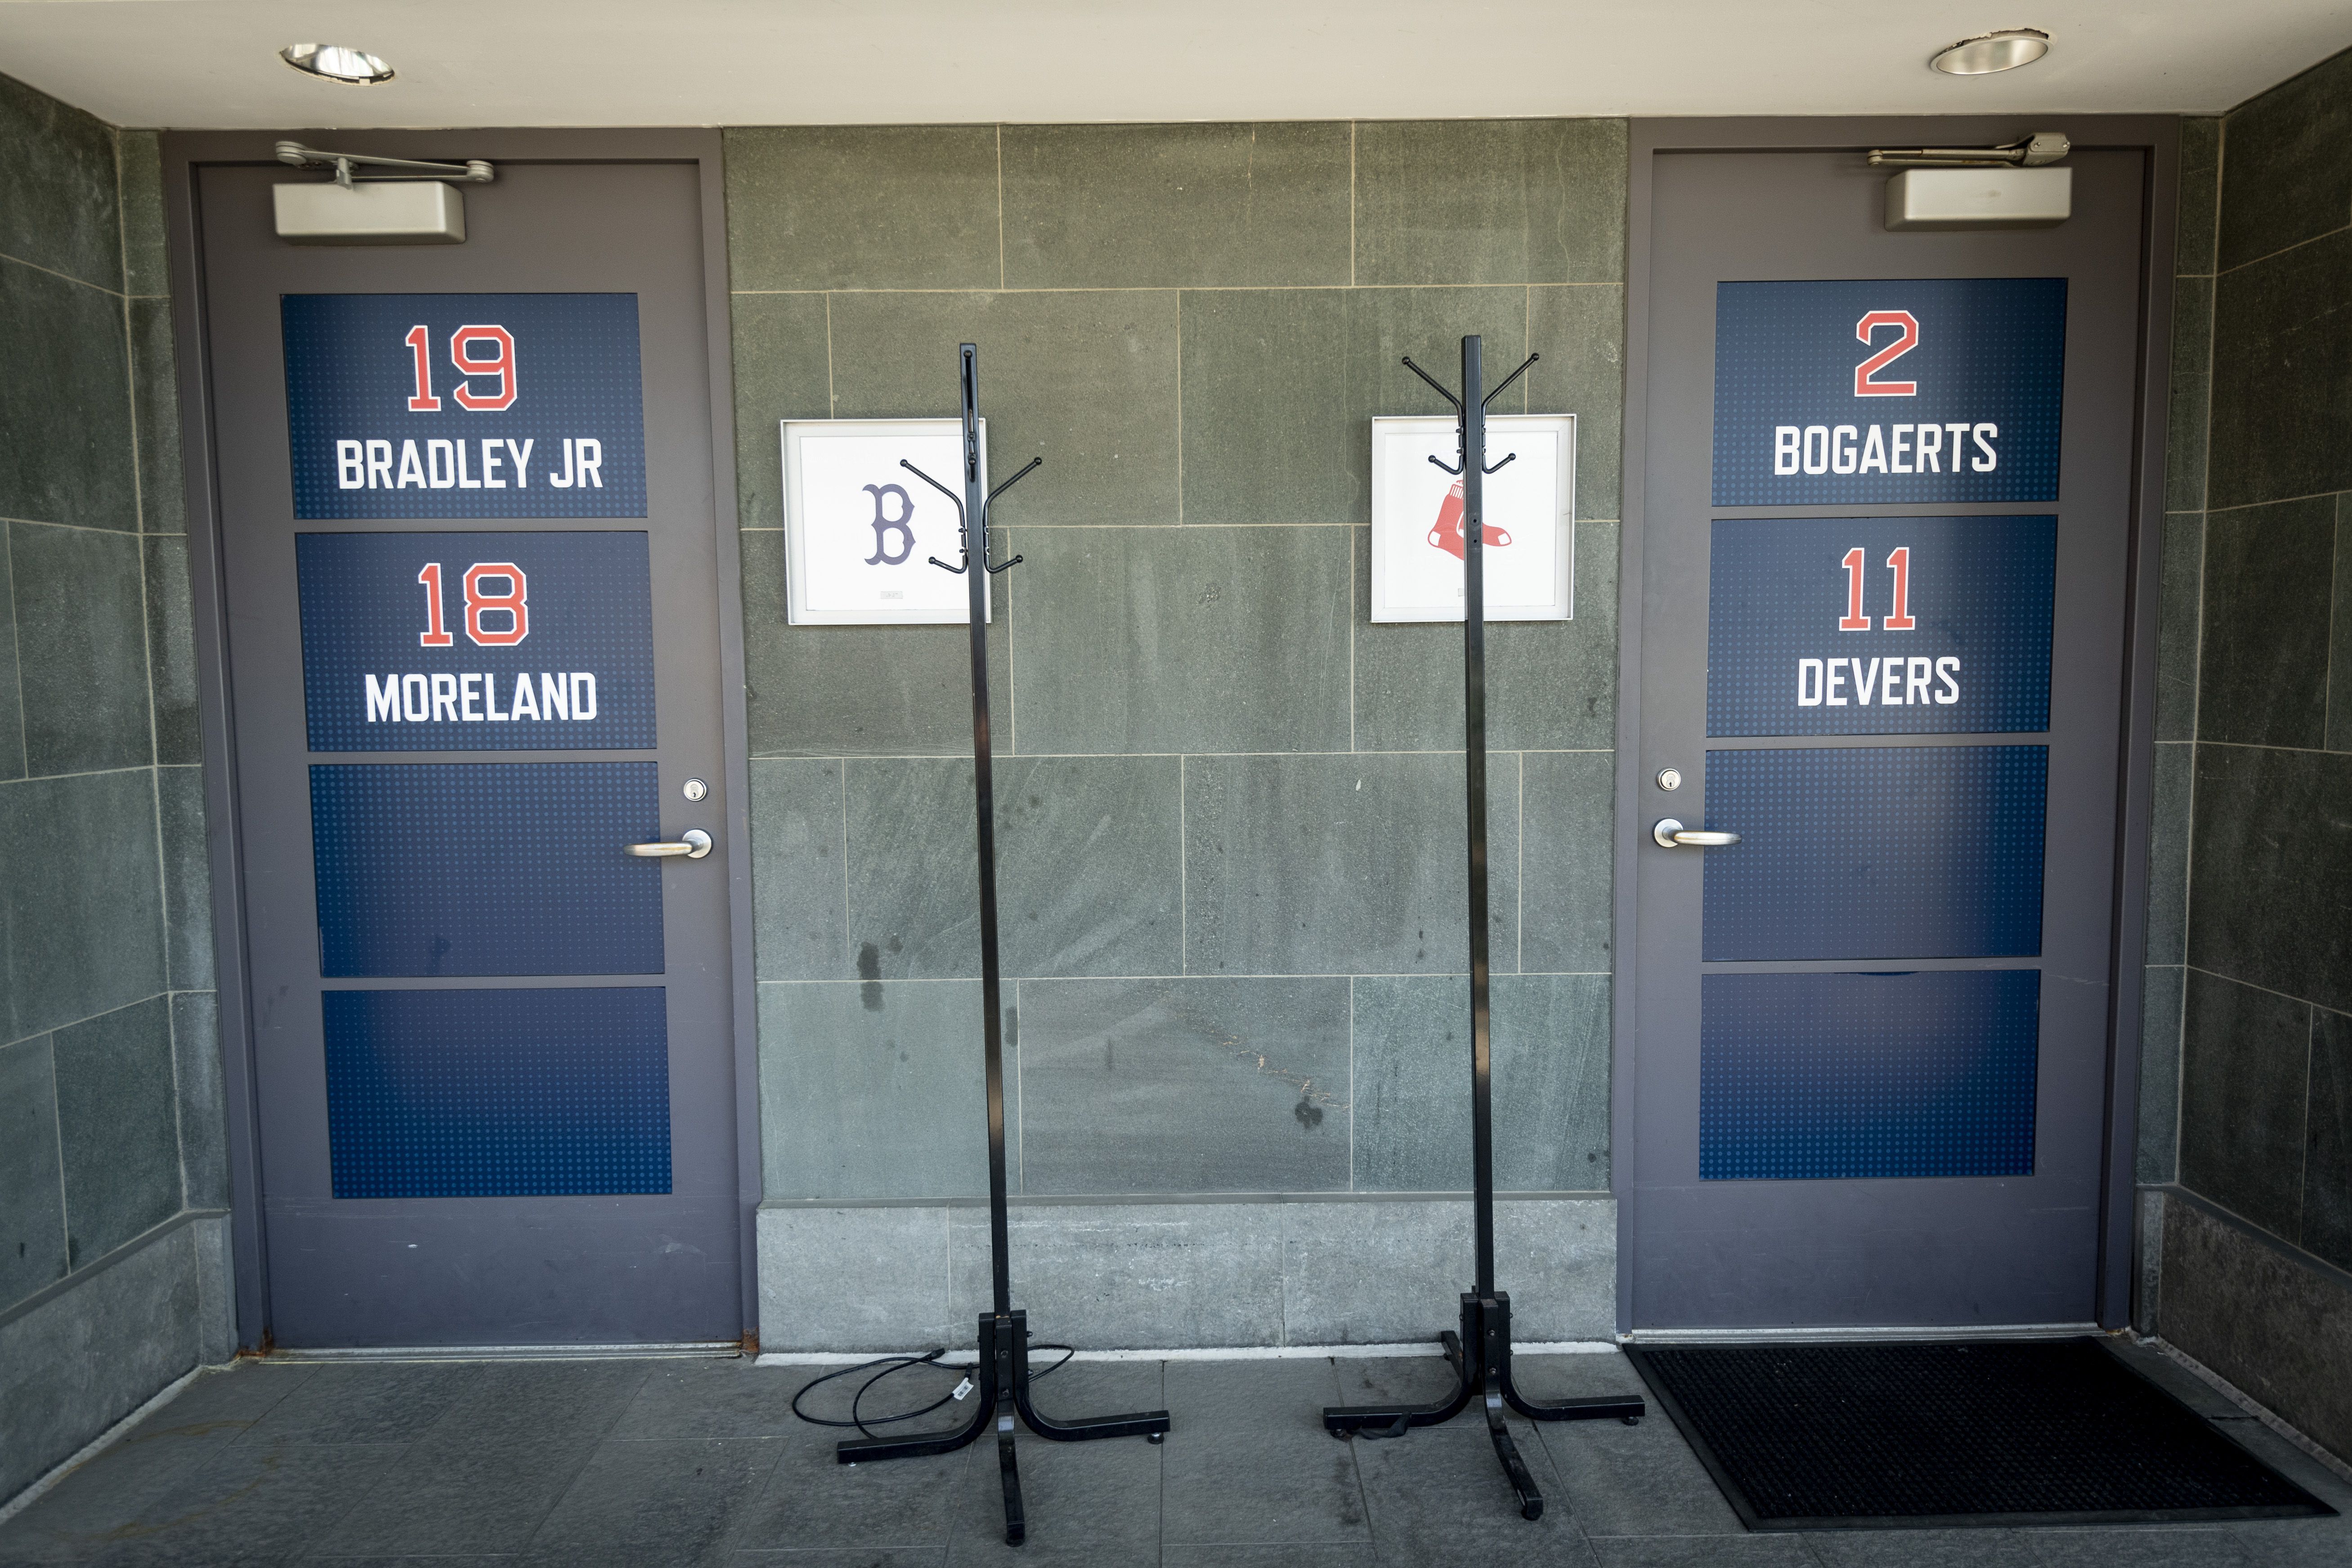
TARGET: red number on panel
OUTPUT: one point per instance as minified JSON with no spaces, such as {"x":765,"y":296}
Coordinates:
{"x":501,"y":364}
{"x":1909,"y":324}
{"x":1900,"y":563}
{"x":421,"y":400}
{"x":435,"y":634}
{"x":479,"y":604}
{"x":1855,"y":563}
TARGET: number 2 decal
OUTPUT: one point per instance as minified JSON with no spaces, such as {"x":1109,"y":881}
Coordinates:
{"x":1908,"y":325}
{"x":514,"y":602}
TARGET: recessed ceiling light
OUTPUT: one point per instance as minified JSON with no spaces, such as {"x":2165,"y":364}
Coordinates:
{"x":2002,"y":51}
{"x":332,"y":62}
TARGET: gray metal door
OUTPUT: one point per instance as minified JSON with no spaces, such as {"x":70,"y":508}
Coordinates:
{"x":1886,"y":541}
{"x":472,"y":584}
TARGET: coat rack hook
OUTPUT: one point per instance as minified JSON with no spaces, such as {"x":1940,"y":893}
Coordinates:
{"x":1032,"y":467}
{"x":1508,"y":459}
{"x":1441,"y":389}
{"x":1436,"y":464}
{"x":1506,"y":381}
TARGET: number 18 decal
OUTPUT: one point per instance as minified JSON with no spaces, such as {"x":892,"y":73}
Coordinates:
{"x":1900,"y":618}
{"x":512,"y":602}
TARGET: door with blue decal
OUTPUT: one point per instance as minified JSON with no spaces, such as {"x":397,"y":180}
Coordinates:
{"x":1883,"y":556}
{"x":472,"y":575}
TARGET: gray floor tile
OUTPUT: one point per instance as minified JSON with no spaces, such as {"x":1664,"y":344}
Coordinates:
{"x":810,"y":1500}
{"x":1705,"y":1551}
{"x":540,"y":1402}
{"x":662,"y":1501}
{"x":244,"y":1392}
{"x":1581,"y":1376}
{"x":254,"y":1502}
{"x":1374,"y":1380}
{"x":365,"y":1403}
{"x":1440,"y":1495}
{"x":2297,"y":1542}
{"x":1922,"y":1549}
{"x":2141,"y":1546}
{"x":86,"y":1510}
{"x":717,"y":1399}
{"x":1248,"y":1459}
{"x":453,"y":1497}
{"x":503,"y":1463}
{"x":1636,"y":1480}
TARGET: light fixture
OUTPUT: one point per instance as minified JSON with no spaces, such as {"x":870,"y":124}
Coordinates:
{"x":334,"y":62}
{"x":2002,"y":51}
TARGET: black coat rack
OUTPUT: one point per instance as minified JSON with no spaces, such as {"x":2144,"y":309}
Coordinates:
{"x":1481,"y":1354}
{"x":1004,"y":1370}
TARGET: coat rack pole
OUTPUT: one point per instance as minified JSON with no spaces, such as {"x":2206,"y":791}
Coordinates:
{"x":975,"y":506}
{"x":1473,"y":746}
{"x":1001,"y":1398}
{"x":1480,"y":1354}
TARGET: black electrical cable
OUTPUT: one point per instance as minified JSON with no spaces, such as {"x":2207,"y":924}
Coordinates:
{"x":891,"y":1363}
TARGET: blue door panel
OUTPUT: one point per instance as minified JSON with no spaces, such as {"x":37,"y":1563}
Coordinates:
{"x":486,"y":869}
{"x":473,"y":1094}
{"x":1974,"y":659}
{"x":1876,"y":852}
{"x":569,"y":668}
{"x":1811,"y":1076}
{"x":1820,"y":395}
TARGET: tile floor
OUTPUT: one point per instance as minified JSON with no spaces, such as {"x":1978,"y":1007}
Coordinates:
{"x":451,"y":1465}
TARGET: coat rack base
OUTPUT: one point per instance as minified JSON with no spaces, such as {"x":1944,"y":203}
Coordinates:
{"x":1001,"y":1400}
{"x":1481,"y":1358}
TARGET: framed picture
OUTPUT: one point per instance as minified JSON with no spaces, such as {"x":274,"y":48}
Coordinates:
{"x":1529,"y":539}
{"x":859,"y":530}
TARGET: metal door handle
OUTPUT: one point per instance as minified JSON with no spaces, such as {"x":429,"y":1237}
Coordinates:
{"x":695,"y":846}
{"x":1670,"y":833}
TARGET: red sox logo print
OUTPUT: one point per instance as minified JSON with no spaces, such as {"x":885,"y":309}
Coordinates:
{"x":1445,"y":533}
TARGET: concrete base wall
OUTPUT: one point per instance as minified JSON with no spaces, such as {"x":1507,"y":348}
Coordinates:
{"x":1181,"y":1275}
{"x":74,"y":1363}
{"x":2277,"y":1325}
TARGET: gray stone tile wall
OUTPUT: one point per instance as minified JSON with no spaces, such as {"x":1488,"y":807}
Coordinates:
{"x":1228,"y":805}
{"x":2248,"y":992}
{"x":109,"y":1073}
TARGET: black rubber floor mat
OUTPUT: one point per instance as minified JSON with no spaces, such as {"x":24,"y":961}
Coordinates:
{"x":1814,"y":1436}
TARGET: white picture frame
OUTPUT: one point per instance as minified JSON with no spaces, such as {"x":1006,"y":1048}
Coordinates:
{"x":859,"y":530}
{"x":1532,"y":500}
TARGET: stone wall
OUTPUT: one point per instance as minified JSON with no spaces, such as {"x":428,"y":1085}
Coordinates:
{"x":113,"y":1173}
{"x":1230,"y":807}
{"x":2246,"y":1109}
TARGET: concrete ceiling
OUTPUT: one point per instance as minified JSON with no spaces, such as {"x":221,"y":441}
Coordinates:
{"x":212,"y":63}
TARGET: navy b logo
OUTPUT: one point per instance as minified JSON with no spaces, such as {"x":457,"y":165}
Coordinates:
{"x":883,"y":525}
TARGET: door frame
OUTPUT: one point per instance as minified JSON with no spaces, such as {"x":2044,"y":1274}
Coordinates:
{"x":183,"y":152}
{"x":2158,"y":136}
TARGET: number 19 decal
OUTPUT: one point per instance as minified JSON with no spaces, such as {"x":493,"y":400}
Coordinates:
{"x":464,"y":352}
{"x":511,"y":602}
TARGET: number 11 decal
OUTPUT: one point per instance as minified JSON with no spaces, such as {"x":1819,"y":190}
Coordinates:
{"x":1856,"y":562}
